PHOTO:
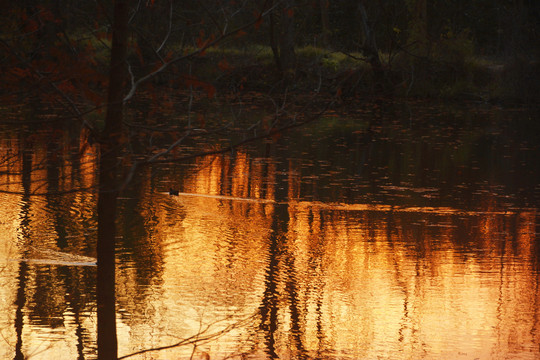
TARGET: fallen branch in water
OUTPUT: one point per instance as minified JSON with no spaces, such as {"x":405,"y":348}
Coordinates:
{"x":195,"y":339}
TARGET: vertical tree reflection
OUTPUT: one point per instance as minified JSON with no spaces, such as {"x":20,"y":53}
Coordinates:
{"x":281,"y":266}
{"x":20,"y":300}
{"x":291,"y":286}
{"x":106,"y":293}
{"x":270,"y":301}
{"x":76,"y":301}
{"x":297,"y":330}
{"x":54,"y":164}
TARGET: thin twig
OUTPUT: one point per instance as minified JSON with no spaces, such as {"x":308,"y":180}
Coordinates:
{"x":170,"y":27}
{"x":195,"y":339}
{"x":195,"y":53}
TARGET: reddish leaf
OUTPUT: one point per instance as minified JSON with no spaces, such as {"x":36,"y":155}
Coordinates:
{"x":207,"y":87}
{"x":21,"y":73}
{"x":200,"y":119}
{"x":258,"y":23}
{"x":139,"y":53}
{"x":66,"y":86}
{"x":241,"y":33}
{"x":224,"y":65}
{"x":47,"y":15}
{"x":210,"y":90}
{"x":31,"y":26}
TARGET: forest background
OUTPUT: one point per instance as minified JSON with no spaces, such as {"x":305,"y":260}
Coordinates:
{"x":476,"y":50}
{"x":139,"y":79}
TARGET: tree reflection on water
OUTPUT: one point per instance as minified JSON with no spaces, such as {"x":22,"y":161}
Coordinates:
{"x":343,"y":247}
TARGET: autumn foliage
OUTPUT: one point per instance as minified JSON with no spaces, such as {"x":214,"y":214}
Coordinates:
{"x":42,"y":60}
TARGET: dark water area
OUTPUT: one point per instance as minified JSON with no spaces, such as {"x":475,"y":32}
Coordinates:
{"x":393,"y":231}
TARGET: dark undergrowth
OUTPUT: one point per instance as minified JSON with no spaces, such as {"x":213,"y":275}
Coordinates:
{"x":348,"y":76}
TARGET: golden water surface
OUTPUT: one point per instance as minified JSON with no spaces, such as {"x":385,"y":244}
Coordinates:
{"x":249,"y":276}
{"x":243,"y":264}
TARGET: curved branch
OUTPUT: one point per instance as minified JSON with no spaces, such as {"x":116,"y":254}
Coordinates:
{"x":170,"y":28}
{"x":195,"y":339}
{"x":207,"y":45}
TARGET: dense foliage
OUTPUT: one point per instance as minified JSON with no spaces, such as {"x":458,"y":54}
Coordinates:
{"x":60,"y":50}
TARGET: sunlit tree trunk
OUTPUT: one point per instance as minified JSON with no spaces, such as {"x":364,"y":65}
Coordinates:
{"x":109,"y":165}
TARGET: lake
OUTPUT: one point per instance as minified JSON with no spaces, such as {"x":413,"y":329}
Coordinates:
{"x":394,"y":231}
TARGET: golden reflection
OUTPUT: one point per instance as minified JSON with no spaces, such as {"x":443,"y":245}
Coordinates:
{"x":8,"y":269}
{"x":347,"y":280}
{"x":44,"y":243}
{"x":453,"y":294}
{"x":293,"y":278}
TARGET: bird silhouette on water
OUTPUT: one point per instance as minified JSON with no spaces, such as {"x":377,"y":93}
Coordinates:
{"x":173,"y":192}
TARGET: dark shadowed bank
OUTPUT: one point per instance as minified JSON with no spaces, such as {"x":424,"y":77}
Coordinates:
{"x":321,"y":72}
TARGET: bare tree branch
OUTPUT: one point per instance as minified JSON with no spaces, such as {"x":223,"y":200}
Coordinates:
{"x":170,"y":27}
{"x":201,"y":337}
{"x":197,"y":52}
{"x":71,"y":104}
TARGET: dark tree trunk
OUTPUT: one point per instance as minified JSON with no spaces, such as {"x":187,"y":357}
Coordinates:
{"x":273,"y":42}
{"x":286,"y":42}
{"x":282,"y":35}
{"x":325,"y":22}
{"x":371,"y":50}
{"x":418,"y":27}
{"x":109,"y":165}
